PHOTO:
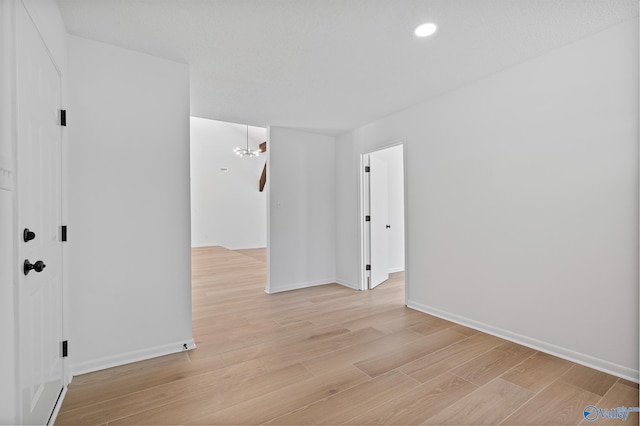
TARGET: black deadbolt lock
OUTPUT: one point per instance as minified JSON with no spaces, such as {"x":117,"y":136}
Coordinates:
{"x":38,"y":266}
{"x":28,"y":235}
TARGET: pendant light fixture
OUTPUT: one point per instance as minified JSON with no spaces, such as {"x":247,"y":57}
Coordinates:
{"x":246,"y":152}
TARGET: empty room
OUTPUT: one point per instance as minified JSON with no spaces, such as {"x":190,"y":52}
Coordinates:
{"x":331,"y":212}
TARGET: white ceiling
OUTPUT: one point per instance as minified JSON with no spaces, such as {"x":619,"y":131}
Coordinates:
{"x":332,"y":65}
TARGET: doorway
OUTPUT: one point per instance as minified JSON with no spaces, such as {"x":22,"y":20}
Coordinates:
{"x":228,"y":203}
{"x":383,"y":218}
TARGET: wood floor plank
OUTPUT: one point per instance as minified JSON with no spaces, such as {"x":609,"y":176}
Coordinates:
{"x":307,"y":350}
{"x":433,"y":325}
{"x":397,"y":357}
{"x":589,"y":379}
{"x":250,"y":334}
{"x":628,"y":383}
{"x":256,"y":253}
{"x":211,"y":348}
{"x":81,"y":394}
{"x":464,"y":330}
{"x":267,"y":407}
{"x":559,"y":404}
{"x":123,"y":406}
{"x":339,"y":408}
{"x":537,"y":372}
{"x":430,"y":366}
{"x":416,"y":406}
{"x":487,"y":405}
{"x":212,"y":324}
{"x":218,"y":396}
{"x":147,"y":399}
{"x":388,"y":321}
{"x":493,"y":363}
{"x":357,"y":353}
{"x":300,"y":346}
{"x":342,"y":314}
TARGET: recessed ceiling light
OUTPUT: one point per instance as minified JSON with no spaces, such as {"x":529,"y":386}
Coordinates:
{"x":425,"y":30}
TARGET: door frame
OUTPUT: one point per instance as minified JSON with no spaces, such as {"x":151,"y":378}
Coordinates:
{"x":363,"y":203}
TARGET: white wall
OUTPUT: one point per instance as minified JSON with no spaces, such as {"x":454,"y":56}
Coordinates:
{"x":129,"y":222}
{"x":347,"y":195}
{"x":523,"y":201}
{"x":227,"y":208}
{"x":301,"y":234}
{"x":394,"y":161}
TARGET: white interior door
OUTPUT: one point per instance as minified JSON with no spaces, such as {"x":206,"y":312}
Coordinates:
{"x":379,"y":208}
{"x":39,"y":210}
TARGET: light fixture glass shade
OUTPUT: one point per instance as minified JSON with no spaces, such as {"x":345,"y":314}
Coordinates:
{"x":246,"y":152}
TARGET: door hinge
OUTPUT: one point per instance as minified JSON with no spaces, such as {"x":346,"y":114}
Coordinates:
{"x":65,"y":349}
{"x":63,"y":117}
{"x":63,"y":233}
{"x":367,"y":169}
{"x":367,"y":218}
{"x":367,"y":267}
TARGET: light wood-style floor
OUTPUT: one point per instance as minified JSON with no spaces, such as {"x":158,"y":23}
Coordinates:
{"x":330,"y":355}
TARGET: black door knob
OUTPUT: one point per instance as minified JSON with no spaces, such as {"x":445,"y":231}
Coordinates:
{"x":388,"y":226}
{"x":28,"y":235}
{"x":38,"y":266}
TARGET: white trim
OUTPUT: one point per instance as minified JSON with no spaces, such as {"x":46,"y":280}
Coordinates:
{"x":638,"y":183}
{"x":559,"y":351}
{"x":204,"y":245}
{"x":407,"y":283}
{"x":56,"y":409}
{"x":289,"y":287}
{"x":396,"y":269}
{"x":267,"y":189}
{"x":364,"y":232}
{"x":244,"y":248}
{"x":349,"y":285}
{"x":129,"y":357}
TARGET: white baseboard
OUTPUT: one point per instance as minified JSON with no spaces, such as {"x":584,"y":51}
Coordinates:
{"x":134,"y":356}
{"x":397,"y":269}
{"x":348,"y":284}
{"x":289,"y":287}
{"x":560,"y":352}
{"x":249,"y":247}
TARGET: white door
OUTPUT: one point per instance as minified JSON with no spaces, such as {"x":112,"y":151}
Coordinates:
{"x":38,"y":209}
{"x":379,"y":209}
